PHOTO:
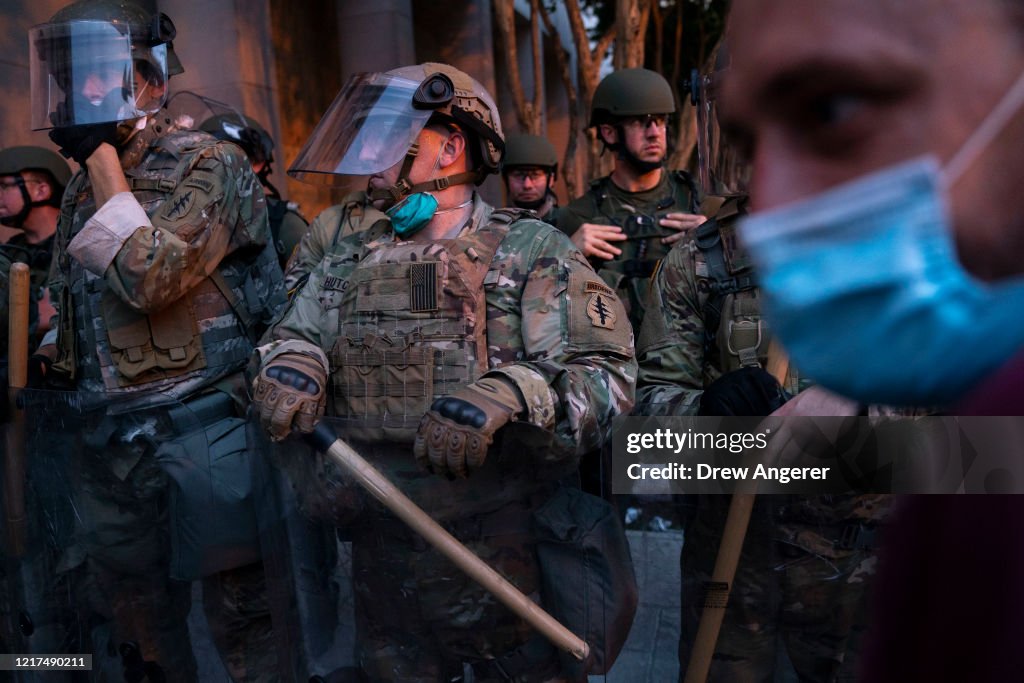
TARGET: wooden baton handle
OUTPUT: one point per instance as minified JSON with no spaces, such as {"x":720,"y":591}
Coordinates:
{"x":17,"y":374}
{"x":728,"y":558}
{"x":343,"y":455}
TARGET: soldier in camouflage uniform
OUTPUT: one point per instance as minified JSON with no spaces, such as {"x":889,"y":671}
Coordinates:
{"x":529,"y":169}
{"x":441,"y":342}
{"x":354,"y":214}
{"x":287,"y":226}
{"x":806,"y":560}
{"x":164,"y":278}
{"x":32,"y":180}
{"x":628,"y":220}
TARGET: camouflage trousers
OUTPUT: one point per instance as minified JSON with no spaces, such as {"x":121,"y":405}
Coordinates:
{"x":420,"y":619}
{"x":123,"y":545}
{"x":784,"y":599}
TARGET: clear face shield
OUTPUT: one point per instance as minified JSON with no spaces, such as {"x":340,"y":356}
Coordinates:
{"x":86,"y":72}
{"x":723,"y":170}
{"x":368,"y":129}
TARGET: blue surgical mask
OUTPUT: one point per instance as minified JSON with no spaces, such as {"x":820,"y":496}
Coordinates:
{"x":412,"y":213}
{"x":863,"y":286}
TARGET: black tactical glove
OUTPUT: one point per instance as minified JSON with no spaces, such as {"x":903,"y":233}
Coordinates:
{"x":456,"y":432}
{"x":747,"y":392}
{"x":79,"y":142}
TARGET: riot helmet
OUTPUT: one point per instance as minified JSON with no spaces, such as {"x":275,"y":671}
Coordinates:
{"x":15,"y":161}
{"x":245,"y":132}
{"x":248,"y":134}
{"x":375,"y":120}
{"x":99,"y":61}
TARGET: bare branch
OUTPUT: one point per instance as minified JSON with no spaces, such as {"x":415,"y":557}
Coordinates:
{"x":538,"y":68}
{"x":569,"y":162}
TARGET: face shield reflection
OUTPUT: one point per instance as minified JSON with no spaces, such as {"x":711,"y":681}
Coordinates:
{"x":368,"y":129}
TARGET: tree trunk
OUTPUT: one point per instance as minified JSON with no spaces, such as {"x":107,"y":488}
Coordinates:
{"x":527,"y":112}
{"x":588,"y":76}
{"x":631,"y":19}
{"x":569,"y":166}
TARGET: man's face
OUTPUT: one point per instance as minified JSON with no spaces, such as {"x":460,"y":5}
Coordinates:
{"x":644,"y":137}
{"x":100,"y":83}
{"x":11,"y":199}
{"x":424,"y":166}
{"x":528,"y":185}
{"x":823,"y":91}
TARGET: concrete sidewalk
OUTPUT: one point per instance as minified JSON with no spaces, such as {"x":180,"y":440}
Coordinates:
{"x":650,"y":653}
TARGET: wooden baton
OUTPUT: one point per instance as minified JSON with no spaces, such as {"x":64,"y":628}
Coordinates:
{"x":736,"y":523}
{"x":17,"y":377}
{"x":343,"y":455}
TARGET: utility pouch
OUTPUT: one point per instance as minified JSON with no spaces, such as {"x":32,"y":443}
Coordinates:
{"x":139,"y":343}
{"x":385,"y":388}
{"x":587,"y":579}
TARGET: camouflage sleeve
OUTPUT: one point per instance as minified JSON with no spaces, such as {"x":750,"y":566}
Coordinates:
{"x":150,"y":262}
{"x":671,"y":345}
{"x":314,"y":244}
{"x":301,"y":320}
{"x":577,"y":370}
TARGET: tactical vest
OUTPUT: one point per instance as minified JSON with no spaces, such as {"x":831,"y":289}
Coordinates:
{"x":643,"y":248}
{"x":735,"y":334}
{"x":108,"y":348}
{"x":412,"y":327}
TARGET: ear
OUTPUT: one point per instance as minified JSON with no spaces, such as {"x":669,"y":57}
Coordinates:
{"x":608,"y":134}
{"x":453,"y":148}
{"x":40,"y":192}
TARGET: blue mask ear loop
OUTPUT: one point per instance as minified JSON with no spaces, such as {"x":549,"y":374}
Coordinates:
{"x":984,"y":135}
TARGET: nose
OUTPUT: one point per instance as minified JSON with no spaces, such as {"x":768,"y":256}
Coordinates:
{"x":94,"y":87}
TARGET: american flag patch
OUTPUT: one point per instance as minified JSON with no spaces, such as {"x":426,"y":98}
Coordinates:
{"x":423,"y":287}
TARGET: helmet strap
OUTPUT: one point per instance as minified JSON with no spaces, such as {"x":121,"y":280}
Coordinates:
{"x":402,"y":188}
{"x":18,"y":219}
{"x":622,"y":151}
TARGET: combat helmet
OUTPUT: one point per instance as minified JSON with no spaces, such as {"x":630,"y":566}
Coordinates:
{"x":631,"y":92}
{"x":530,"y":150}
{"x":15,"y":160}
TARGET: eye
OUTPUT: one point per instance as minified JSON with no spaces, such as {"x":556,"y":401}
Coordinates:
{"x":834,"y":110}
{"x":833,"y":123}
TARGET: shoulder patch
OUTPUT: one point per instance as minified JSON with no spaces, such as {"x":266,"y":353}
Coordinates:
{"x":601,"y":312}
{"x":204,"y":184}
{"x":179,"y":206}
{"x":592,"y":286}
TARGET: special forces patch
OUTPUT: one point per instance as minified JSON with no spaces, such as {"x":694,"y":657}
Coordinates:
{"x":600,"y":311}
{"x":179,"y":206}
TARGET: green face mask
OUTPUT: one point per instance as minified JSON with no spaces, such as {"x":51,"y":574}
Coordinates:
{"x":412,"y":213}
